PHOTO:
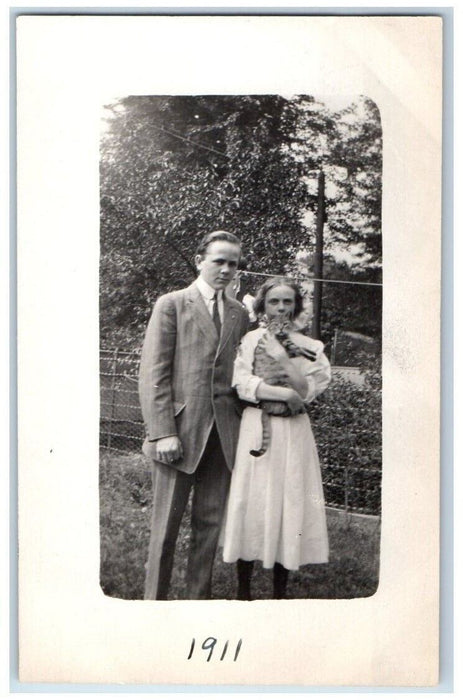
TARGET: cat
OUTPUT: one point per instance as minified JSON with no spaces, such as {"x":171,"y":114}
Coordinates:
{"x":271,"y":372}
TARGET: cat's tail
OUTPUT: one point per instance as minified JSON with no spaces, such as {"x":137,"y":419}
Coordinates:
{"x":266,"y":434}
{"x":257,"y":453}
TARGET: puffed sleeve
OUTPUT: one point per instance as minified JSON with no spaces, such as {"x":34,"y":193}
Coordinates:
{"x":244,"y":381}
{"x":317,"y":373}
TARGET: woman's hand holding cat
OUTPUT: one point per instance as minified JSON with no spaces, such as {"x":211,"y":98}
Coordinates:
{"x":294,"y":402}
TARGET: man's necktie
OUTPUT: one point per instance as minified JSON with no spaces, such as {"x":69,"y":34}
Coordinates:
{"x":215,"y":314}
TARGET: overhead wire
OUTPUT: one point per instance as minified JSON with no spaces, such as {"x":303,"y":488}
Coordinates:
{"x":307,"y":278}
{"x":249,"y":272}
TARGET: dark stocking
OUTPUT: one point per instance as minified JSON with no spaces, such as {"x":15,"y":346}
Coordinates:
{"x":244,"y":569}
{"x":280,"y":579}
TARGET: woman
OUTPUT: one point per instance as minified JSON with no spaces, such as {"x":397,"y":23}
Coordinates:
{"x":276,"y":510}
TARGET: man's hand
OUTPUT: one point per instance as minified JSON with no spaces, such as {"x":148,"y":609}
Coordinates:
{"x":169,"y":449}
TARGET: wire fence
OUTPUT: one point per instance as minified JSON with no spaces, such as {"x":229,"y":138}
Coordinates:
{"x":121,"y":422}
{"x":352,"y":488}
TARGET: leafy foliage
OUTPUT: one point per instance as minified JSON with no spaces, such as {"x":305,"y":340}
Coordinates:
{"x":347,"y":424}
{"x":174,"y":168}
{"x":347,"y":145}
{"x":351,"y":307}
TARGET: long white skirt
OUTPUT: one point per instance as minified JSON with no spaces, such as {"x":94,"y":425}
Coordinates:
{"x":276,"y":509}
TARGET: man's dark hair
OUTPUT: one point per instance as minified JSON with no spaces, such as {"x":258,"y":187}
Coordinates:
{"x":216,"y":236}
{"x":259,"y":301}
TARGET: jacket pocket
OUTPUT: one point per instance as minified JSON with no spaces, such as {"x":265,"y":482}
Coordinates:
{"x":178,"y":408}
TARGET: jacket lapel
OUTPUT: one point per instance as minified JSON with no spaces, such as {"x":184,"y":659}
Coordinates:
{"x":230,"y":319}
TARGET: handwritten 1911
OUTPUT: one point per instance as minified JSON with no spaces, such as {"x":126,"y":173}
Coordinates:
{"x":209,"y":645}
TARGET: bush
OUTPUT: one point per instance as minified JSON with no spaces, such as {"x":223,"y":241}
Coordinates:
{"x":347,"y":425}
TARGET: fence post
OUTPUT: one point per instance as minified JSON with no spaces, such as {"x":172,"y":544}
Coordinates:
{"x":113,"y":397}
{"x":335,"y":342}
{"x":318,"y":258}
{"x":346,"y":489}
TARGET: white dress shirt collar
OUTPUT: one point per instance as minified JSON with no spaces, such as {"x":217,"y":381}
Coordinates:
{"x":206,"y":290}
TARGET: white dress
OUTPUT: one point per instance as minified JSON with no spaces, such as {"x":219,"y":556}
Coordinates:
{"x":276,"y":508}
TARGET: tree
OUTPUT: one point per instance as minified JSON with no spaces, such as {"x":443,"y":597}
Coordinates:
{"x":347,"y":145}
{"x":174,"y":168}
{"x":351,"y":307}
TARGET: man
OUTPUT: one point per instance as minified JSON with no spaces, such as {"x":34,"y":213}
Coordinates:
{"x":190,"y":413}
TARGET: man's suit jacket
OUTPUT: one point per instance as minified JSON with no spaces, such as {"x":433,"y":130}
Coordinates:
{"x":185,"y":375}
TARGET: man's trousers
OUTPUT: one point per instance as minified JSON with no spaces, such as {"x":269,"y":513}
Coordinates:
{"x":171,"y":489}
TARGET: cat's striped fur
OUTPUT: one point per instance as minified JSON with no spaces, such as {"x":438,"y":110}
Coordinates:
{"x":271,"y":372}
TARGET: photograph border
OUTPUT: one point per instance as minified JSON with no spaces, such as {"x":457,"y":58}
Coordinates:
{"x":446,"y":475}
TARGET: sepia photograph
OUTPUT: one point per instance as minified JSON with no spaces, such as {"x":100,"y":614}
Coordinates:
{"x":229,"y":236}
{"x":274,"y":203}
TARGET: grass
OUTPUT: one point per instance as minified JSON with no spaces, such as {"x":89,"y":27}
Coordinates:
{"x":125,"y":510}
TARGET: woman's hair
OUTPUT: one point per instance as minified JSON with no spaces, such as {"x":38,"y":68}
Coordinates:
{"x":259,"y":302}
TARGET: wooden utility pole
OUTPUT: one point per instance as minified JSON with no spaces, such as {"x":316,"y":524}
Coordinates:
{"x":318,"y":257}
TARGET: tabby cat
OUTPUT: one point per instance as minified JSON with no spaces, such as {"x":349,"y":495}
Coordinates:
{"x":271,"y":372}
